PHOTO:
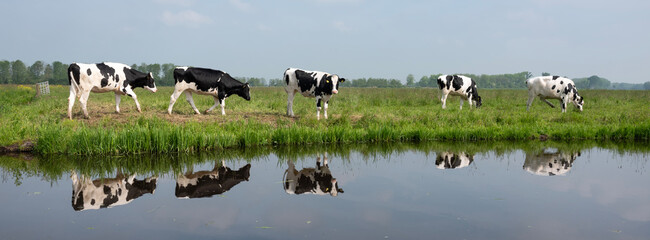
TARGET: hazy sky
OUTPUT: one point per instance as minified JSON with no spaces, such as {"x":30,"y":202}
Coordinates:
{"x":353,"y":38}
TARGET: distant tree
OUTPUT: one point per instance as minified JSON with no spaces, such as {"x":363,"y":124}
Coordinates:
{"x":546,"y":74}
{"x":410,"y":80}
{"x":60,"y":73}
{"x":19,"y":73}
{"x":48,"y":73}
{"x":646,"y":85}
{"x":276,"y":82}
{"x":36,"y":71}
{"x":5,"y":72}
{"x":168,"y":74}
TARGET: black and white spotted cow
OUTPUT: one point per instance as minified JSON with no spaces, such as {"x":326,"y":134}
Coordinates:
{"x":204,"y":81}
{"x":448,"y":160}
{"x":549,"y":162}
{"x":208,"y":183}
{"x":458,"y":85}
{"x":318,"y":181}
{"x":320,"y":85}
{"x":553,"y":87}
{"x":107,"y":193}
{"x":105,"y":77}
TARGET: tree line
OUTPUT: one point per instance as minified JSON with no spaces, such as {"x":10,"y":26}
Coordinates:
{"x":17,"y":72}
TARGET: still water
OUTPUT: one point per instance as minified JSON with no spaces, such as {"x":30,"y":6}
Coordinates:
{"x":392,"y":191}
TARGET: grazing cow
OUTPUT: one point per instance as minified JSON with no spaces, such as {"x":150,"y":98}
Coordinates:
{"x":105,"y":77}
{"x":549,"y":162}
{"x":320,"y":85}
{"x":317,"y":180}
{"x":206,"y":81}
{"x":458,"y":85}
{"x":447,"y":160}
{"x":107,"y":193}
{"x":207,"y":183}
{"x":553,"y":87}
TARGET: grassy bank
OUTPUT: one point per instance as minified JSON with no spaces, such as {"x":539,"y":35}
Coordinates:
{"x":356,"y":115}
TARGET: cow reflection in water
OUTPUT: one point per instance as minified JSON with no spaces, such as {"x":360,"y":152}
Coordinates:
{"x":317,"y":180}
{"x":207,"y":183}
{"x":108,"y":192}
{"x":549,"y":162}
{"x":448,"y":160}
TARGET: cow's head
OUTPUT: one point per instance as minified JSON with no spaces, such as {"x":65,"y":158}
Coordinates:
{"x":244,"y":91}
{"x":149,"y":83}
{"x":330,"y":84}
{"x":478,"y":101}
{"x":578,"y":101}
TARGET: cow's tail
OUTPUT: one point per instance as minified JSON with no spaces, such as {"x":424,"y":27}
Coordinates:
{"x":71,"y":79}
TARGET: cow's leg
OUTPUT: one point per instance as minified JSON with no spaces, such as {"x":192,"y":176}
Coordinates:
{"x":444,"y":100}
{"x":531,"y":97}
{"x":223,"y":106}
{"x":461,"y":103}
{"x":547,"y":102}
{"x":318,"y":100}
{"x":290,"y":96}
{"x":564,"y":103}
{"x":131,"y":94}
{"x":118,"y":98}
{"x":216,"y":103}
{"x":71,"y":100}
{"x":174,"y":97}
{"x":84,"y":100}
{"x":188,"y":97}
{"x":325,"y":110}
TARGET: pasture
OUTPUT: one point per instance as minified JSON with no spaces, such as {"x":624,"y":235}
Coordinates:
{"x":356,"y":115}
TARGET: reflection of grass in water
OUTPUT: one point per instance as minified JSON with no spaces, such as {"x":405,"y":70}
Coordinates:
{"x":356,"y":116}
{"x":54,"y":167}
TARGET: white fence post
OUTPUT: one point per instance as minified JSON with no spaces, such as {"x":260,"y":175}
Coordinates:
{"x":42,"y":88}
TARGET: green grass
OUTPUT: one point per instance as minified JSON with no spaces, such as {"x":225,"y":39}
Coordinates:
{"x":357,"y":115}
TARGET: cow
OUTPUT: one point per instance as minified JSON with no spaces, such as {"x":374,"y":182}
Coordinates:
{"x":204,"y":81}
{"x":549,"y":162}
{"x":458,"y":85}
{"x":318,"y":181}
{"x":107,"y":193}
{"x":320,"y":85}
{"x":208,"y":183}
{"x":106,"y":77}
{"x":448,"y":160}
{"x":553,"y":87}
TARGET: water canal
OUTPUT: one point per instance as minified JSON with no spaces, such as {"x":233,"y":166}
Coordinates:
{"x":536,"y":190}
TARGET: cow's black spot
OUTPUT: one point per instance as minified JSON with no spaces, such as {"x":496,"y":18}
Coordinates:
{"x":551,"y":174}
{"x":119,"y":192}
{"x":92,"y":202}
{"x":440,"y":84}
{"x":561,"y":82}
{"x":106,"y":73}
{"x":558,"y":91}
{"x":550,"y":165}
{"x":553,"y":87}
{"x":107,"y":190}
{"x":318,"y":103}
{"x":117,"y":79}
{"x":457,"y":83}
{"x":555,"y":77}
{"x":89,"y":72}
{"x":305,"y":80}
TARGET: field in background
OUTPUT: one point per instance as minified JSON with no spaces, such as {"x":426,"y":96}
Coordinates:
{"x":356,"y":115}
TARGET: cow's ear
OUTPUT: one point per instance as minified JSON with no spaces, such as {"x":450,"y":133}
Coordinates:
{"x":150,"y":76}
{"x":246,"y":85}
{"x":342,"y":80}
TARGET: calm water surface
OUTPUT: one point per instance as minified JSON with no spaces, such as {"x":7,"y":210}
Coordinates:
{"x":430,"y":192}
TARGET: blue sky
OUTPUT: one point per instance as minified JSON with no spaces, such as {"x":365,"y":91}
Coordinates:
{"x":353,"y":38}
